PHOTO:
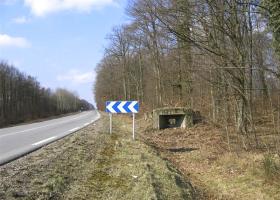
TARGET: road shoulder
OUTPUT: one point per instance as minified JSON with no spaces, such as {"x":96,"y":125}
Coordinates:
{"x":91,"y":164}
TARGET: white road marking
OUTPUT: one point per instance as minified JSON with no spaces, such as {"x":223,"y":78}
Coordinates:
{"x":74,"y":129}
{"x":86,"y":124}
{"x":44,"y":141}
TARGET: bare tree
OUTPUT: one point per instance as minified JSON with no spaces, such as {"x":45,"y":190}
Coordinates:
{"x":22,"y":98}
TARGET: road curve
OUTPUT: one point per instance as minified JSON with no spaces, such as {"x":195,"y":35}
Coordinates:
{"x":20,"y":140}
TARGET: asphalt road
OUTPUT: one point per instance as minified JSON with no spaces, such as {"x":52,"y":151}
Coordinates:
{"x":20,"y":140}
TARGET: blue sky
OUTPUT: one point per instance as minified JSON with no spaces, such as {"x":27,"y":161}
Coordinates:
{"x":59,"y":42}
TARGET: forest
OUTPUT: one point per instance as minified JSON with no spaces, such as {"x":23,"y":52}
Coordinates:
{"x":22,"y":98}
{"x":220,"y":57}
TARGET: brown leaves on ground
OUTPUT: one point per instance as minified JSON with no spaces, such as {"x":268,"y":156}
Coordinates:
{"x":200,"y":137}
{"x":203,"y":154}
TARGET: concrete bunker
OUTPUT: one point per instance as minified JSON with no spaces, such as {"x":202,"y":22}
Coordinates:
{"x":173,"y":118}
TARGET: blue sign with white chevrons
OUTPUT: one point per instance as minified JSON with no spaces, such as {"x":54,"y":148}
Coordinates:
{"x":122,"y":106}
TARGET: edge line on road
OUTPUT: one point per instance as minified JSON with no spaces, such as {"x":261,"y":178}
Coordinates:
{"x":74,"y":129}
{"x":43,"y":141}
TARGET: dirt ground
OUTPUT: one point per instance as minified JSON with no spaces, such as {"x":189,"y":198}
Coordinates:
{"x":91,"y":164}
{"x":220,"y":170}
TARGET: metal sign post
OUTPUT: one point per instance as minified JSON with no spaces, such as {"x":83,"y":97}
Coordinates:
{"x":110,"y":114}
{"x":123,"y":107}
{"x":133,"y":126}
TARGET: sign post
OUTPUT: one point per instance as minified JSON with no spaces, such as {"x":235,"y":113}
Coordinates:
{"x":110,"y":114}
{"x":123,"y":107}
{"x":133,"y":126}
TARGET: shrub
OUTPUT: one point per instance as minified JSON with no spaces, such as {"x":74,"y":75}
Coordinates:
{"x":271,"y":167}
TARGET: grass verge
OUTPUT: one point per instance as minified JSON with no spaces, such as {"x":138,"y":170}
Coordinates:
{"x":92,"y":164}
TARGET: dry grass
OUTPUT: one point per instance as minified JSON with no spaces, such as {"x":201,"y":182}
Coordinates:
{"x":92,"y":164}
{"x":223,"y":171}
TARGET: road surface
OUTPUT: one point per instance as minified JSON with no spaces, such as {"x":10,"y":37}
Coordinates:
{"x":20,"y":140}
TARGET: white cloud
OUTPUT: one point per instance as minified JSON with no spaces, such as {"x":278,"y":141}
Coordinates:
{"x":9,"y":41}
{"x":44,"y":7}
{"x":77,"y":77}
{"x":20,"y":20}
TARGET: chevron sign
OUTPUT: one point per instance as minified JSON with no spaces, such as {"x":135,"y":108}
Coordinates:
{"x":122,"y":106}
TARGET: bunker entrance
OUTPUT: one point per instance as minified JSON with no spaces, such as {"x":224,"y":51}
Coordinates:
{"x":171,"y":121}
{"x":178,"y":117}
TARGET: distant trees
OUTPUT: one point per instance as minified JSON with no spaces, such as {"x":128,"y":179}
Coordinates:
{"x":22,"y":98}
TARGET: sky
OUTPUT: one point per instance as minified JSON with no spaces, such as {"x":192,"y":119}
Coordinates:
{"x":59,"y":42}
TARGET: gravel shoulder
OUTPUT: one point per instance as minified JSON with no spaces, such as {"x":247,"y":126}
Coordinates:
{"x":91,"y":164}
